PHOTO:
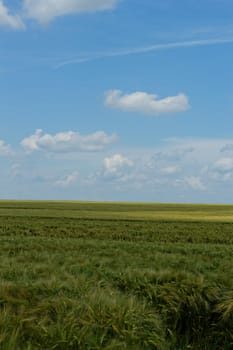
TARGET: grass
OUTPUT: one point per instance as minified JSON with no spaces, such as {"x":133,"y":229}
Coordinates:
{"x":79,"y":275}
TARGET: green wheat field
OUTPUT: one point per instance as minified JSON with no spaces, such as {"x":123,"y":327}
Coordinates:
{"x":85,"y":275}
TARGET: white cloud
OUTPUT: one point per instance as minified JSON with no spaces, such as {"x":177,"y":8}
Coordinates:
{"x":170,"y":170}
{"x":68,"y":180}
{"x":69,"y":141}
{"x":168,"y":158}
{"x":227,"y":148}
{"x":224,"y":164}
{"x":8,"y":20}
{"x":115,"y":164}
{"x":5,"y":150}
{"x":142,"y":102}
{"x":194,"y":182}
{"x":45,"y":11}
{"x":228,"y":176}
{"x":126,"y":174}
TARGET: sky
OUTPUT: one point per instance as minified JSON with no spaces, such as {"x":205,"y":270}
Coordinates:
{"x":116,"y":100}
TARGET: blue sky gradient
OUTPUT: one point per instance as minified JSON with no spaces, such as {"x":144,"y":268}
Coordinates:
{"x":116,"y":100}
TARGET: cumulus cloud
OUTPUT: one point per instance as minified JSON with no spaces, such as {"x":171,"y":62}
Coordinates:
{"x":170,"y":170}
{"x":224,"y":164}
{"x":67,"y":180}
{"x":45,"y":11}
{"x":9,"y":20}
{"x":199,"y":173}
{"x":69,"y":141}
{"x":169,"y":159}
{"x":5,"y":150}
{"x":195,"y":183}
{"x":227,"y":148}
{"x":142,"y":102}
{"x":115,"y":164}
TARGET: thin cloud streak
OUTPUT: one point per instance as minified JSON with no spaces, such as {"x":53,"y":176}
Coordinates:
{"x":144,"y":49}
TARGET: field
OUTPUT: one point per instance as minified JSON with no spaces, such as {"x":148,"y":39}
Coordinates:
{"x":110,"y":276}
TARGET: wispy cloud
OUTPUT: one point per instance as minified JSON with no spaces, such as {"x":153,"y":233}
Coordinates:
{"x":143,"y":49}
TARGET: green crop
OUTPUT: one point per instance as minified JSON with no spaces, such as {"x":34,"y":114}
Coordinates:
{"x":112,"y":276}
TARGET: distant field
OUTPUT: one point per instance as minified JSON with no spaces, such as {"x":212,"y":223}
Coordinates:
{"x":83,"y":275}
{"x":140,"y":211}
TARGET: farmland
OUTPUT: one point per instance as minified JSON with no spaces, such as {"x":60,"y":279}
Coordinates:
{"x":83,"y":275}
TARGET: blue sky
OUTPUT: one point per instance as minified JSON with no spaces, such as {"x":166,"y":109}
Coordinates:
{"x":119,"y":100}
